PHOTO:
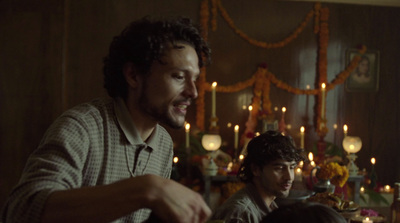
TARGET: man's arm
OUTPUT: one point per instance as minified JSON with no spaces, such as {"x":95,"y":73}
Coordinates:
{"x":169,"y":200}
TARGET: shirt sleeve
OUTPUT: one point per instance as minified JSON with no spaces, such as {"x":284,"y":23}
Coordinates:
{"x":56,"y":165}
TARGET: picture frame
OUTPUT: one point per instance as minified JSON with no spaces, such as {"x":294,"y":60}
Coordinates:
{"x":365,"y":78}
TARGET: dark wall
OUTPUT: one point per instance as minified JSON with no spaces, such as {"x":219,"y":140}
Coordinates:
{"x":51,"y":59}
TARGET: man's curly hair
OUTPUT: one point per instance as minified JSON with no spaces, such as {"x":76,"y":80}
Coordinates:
{"x":264,"y":149}
{"x":142,"y":43}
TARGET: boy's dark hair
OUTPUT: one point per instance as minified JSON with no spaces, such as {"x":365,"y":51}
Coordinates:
{"x":264,"y":149}
{"x":142,"y":43}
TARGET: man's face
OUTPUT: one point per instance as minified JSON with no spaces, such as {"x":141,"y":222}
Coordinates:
{"x":170,"y":86}
{"x":275,"y":179}
{"x":363,"y":67}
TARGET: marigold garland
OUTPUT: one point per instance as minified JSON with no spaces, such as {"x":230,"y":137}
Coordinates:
{"x":262,"y":44}
{"x":262,"y":79}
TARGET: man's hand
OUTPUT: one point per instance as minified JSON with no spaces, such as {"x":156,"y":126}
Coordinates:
{"x":173,"y":202}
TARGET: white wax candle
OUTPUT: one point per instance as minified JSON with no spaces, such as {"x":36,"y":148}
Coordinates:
{"x":367,"y":220}
{"x":323,"y":101}
{"x":250,"y":109}
{"x":345,"y":129}
{"x":298,"y":175}
{"x":236,"y":136}
{"x":187,"y":130}
{"x":302,"y":137}
{"x":213,"y":100}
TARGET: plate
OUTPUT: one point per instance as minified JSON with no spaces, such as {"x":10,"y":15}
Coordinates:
{"x":351,"y":207}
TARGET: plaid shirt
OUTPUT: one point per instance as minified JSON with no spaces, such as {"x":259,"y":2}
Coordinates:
{"x":92,"y":144}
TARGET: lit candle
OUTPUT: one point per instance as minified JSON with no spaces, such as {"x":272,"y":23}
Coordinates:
{"x":310,"y":156}
{"x":386,"y":189}
{"x":298,"y":175}
{"x":176,"y":159}
{"x":241,"y":157}
{"x":250,"y":109}
{"x":362,"y":190}
{"x":345,"y":129}
{"x":213,"y":100}
{"x":373,"y":161}
{"x":283,"y":111}
{"x":187,"y":130}
{"x":323,"y":86}
{"x":367,"y":220}
{"x":301,"y":164}
{"x":236,"y":136}
{"x":313,"y":163}
{"x":302,"y":137}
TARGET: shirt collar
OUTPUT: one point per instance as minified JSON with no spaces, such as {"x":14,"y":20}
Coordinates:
{"x":128,"y":126}
{"x":252,"y":190}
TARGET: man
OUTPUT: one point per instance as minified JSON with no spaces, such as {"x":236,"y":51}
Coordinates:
{"x":268,"y":171}
{"x":110,"y":160}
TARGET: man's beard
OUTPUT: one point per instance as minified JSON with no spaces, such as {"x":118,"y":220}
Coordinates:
{"x":160,"y":114}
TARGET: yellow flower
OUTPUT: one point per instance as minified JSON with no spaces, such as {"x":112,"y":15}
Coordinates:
{"x":333,"y":171}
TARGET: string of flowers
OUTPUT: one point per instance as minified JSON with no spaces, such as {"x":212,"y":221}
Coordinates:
{"x":262,"y":78}
{"x":262,"y":44}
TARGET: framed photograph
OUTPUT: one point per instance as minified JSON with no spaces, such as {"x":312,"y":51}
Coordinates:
{"x":365,"y":78}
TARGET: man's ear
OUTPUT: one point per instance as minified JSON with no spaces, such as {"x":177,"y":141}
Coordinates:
{"x":131,"y":74}
{"x":255,"y":170}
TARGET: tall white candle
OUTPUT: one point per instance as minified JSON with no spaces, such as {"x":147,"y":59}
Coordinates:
{"x":323,"y":86}
{"x":187,"y":130}
{"x":250,"y":110}
{"x":213,"y":100}
{"x":236,"y":145}
{"x":298,"y":175}
{"x":302,"y":137}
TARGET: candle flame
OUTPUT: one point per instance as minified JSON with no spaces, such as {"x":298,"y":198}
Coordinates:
{"x":302,"y":129}
{"x":323,"y":85}
{"x":241,"y":157}
{"x":176,"y":159}
{"x":345,"y":128}
{"x":373,"y":160}
{"x":187,"y":127}
{"x":236,"y":128}
{"x":308,"y":86}
{"x":214,"y":84}
{"x":334,"y":126}
{"x":362,"y":189}
{"x":283,"y":109}
{"x":310,"y":156}
{"x":298,"y":170}
{"x":301,"y":163}
{"x":250,"y":107}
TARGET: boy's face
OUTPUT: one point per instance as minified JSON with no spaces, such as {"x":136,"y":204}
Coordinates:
{"x":171,"y":85}
{"x":275,"y":179}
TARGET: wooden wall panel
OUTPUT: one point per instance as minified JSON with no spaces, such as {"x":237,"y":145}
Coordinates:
{"x":32,"y":71}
